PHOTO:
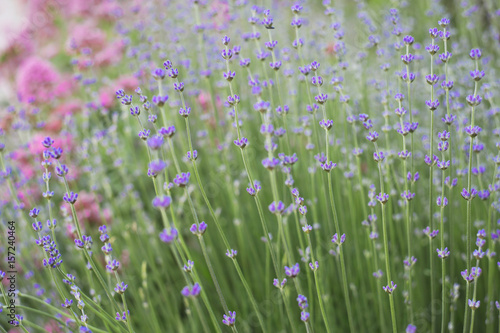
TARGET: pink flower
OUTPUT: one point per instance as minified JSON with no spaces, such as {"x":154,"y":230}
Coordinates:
{"x":106,"y":97}
{"x":64,"y":88}
{"x":88,"y":209}
{"x":37,"y":79}
{"x":127,"y":83}
{"x":222,"y":15}
{"x":204,"y":100}
{"x":111,"y":54}
{"x":52,"y":327}
{"x":68,"y":108}
{"x":87,"y":35}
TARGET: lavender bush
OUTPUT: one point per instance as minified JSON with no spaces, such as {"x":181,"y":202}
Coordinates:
{"x":216,"y":166}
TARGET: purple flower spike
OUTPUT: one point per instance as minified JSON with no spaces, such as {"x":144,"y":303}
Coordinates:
{"x":292,"y":271}
{"x":167,"y":132}
{"x":47,"y":142}
{"x":127,"y":100}
{"x":408,"y":40}
{"x":473,"y":131}
{"x":185,"y":112}
{"x":326,"y":124}
{"x":155,"y":142}
{"x":159,"y":100}
{"x":473,"y":305}
{"x":321,"y":98}
{"x":34,"y":212}
{"x":70,"y":197}
{"x":277,"y":207}
{"x":113,"y":265}
{"x":407,"y":195}
{"x":475,"y":54}
{"x":307,"y":228}
{"x":328,"y":166}
{"x":186,"y":292}
{"x":407,"y":58}
{"x":474,"y":100}
{"x":37,"y":226}
{"x":67,"y":303}
{"x":56,"y":153}
{"x":432,"y":105}
{"x":156,"y":167}
{"x":230,"y":319}
{"x":196,"y":289}
{"x":372,"y":136}
{"x":411,"y":329}
{"x":314,"y":266}
{"x":182,"y":179}
{"x":121,"y":287}
{"x":469,"y":195}
{"x":444,"y":22}
{"x":382,"y":198}
{"x":390,"y":287}
{"x":120,"y":93}
{"x":192,"y":155}
{"x":304,"y":316}
{"x":337,"y":240}
{"x":431,"y":234}
{"x":198,"y":229}
{"x":179,"y":87}
{"x":443,"y":253}
{"x":242,"y":143}
{"x":189,"y":266}
{"x":168,"y":235}
{"x":302,"y":300}
{"x":162,"y":202}
{"x":270,"y":164}
{"x":477,"y":75}
{"x":231,"y":253}
{"x":279,"y":284}
{"x":158,"y":73}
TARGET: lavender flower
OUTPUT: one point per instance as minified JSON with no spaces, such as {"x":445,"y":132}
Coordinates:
{"x":168,"y":235}
{"x":70,"y":197}
{"x":230,"y":319}
{"x":292,"y":271}
{"x":181,"y":180}
{"x":390,"y":287}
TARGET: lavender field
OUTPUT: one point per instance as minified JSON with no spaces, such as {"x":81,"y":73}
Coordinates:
{"x":250,"y":166}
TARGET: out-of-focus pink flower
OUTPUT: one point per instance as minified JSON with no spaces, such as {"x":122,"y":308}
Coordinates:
{"x":222,"y":16}
{"x":88,"y":209}
{"x":19,"y":48}
{"x":127,"y":83}
{"x":204,"y":100}
{"x":68,"y":108}
{"x":54,"y":124}
{"x":106,"y":97}
{"x":29,"y":195}
{"x":111,"y":54}
{"x":87,"y":35}
{"x":52,"y":327}
{"x":64,"y":88}
{"x":37,"y":79}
